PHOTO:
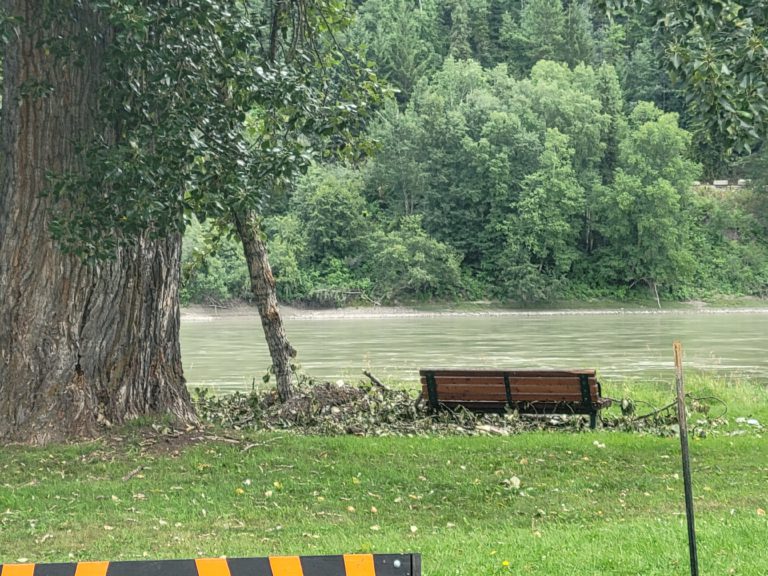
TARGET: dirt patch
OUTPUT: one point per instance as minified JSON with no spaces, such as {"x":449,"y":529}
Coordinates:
{"x":155,"y":439}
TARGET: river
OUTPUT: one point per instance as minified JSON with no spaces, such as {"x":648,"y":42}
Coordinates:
{"x":228,"y":353}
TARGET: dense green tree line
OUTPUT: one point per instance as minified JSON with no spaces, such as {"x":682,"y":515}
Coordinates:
{"x":535,"y":150}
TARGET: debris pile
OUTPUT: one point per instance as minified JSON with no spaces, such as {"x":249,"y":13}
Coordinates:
{"x":373,"y":409}
{"x":335,"y":408}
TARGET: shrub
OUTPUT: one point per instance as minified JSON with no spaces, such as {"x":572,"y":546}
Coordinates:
{"x":408,"y":263}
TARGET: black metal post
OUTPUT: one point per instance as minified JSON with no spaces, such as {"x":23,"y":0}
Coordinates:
{"x":682,"y":422}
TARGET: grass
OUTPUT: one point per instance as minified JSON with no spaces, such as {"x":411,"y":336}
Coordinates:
{"x":537,"y":503}
{"x":725,"y":395}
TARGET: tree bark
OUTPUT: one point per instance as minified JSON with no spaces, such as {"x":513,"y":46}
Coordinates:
{"x":263,"y":288}
{"x":80,"y":344}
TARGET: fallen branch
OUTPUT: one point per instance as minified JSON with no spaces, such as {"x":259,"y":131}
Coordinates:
{"x":259,"y":444}
{"x":657,"y":411}
{"x":687,"y":397}
{"x":132,"y":473}
{"x":375,"y":380}
{"x":222,"y":439}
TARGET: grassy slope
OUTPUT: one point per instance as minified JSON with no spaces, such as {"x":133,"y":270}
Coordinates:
{"x":580,"y":508}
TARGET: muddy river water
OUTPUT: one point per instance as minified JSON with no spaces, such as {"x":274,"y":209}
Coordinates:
{"x":228,"y":353}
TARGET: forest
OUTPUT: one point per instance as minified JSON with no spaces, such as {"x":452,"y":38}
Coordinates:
{"x":526,"y":151}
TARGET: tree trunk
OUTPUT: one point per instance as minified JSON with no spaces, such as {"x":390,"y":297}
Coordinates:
{"x":263,"y":288}
{"x":79,"y":343}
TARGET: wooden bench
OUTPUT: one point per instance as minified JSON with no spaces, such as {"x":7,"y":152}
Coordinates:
{"x":527,"y":391}
{"x":342,"y":565}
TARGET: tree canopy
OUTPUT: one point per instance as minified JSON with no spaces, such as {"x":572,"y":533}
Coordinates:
{"x":719,"y":52}
{"x":214,"y":108}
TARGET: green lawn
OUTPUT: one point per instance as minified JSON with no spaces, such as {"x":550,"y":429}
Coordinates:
{"x":543,"y":502}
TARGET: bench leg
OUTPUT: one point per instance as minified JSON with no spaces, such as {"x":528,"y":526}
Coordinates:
{"x":593,"y":420}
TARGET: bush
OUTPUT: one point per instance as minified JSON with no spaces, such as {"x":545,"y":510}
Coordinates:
{"x":213,"y":267}
{"x":287,"y":249}
{"x":331,"y":208}
{"x":408,"y":263}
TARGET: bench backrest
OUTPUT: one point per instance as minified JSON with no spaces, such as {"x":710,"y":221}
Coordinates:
{"x":346,"y":565}
{"x":480,"y":389}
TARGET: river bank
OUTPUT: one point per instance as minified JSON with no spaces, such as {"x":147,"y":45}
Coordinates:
{"x":202,"y":313}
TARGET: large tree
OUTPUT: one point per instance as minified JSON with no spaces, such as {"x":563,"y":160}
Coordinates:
{"x":147,"y":113}
{"x":401,"y":38}
{"x":644,"y":215}
{"x":80,"y":342}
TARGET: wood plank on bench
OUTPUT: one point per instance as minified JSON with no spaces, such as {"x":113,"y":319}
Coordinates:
{"x":513,"y":380}
{"x":492,"y":372}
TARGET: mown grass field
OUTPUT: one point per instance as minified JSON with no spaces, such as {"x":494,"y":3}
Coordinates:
{"x":547,"y":502}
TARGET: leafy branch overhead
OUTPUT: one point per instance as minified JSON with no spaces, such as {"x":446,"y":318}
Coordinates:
{"x":719,"y":52}
{"x":213,"y":105}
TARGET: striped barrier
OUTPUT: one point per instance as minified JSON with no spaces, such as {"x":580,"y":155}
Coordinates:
{"x":346,"y":565}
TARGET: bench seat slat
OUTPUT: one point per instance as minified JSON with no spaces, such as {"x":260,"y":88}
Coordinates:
{"x":497,"y":390}
{"x":500,"y":373}
{"x":499,"y":387}
{"x":513,"y":380}
{"x":520,"y":388}
{"x":500,"y":396}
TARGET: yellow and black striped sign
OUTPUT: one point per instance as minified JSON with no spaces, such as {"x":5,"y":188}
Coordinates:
{"x":346,"y":565}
